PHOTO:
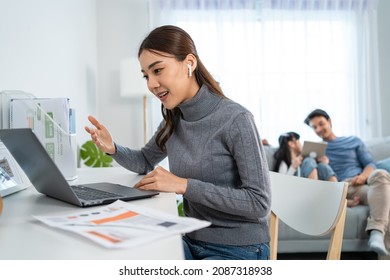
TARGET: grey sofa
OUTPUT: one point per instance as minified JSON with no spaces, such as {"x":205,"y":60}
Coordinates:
{"x":355,"y":237}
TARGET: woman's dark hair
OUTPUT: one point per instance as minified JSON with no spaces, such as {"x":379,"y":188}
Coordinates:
{"x":283,"y":152}
{"x":174,"y":41}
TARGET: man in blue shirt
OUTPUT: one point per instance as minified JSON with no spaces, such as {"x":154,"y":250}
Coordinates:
{"x":351,"y":161}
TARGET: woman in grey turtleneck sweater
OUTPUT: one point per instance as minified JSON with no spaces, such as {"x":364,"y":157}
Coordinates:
{"x":216,"y":159}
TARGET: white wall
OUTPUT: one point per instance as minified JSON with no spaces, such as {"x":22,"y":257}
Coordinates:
{"x":48,"y":48}
{"x":121,"y":26}
{"x":384,"y":62}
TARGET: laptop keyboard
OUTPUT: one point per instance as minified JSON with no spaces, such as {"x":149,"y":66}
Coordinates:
{"x":86,"y":193}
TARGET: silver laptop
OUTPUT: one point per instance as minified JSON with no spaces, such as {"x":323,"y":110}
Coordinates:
{"x":45,"y":176}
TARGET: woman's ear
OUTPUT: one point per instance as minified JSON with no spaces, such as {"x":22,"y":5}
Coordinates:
{"x":191,"y":61}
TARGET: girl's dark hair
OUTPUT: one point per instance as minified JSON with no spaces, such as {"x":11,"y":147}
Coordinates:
{"x":174,"y":41}
{"x":283,"y":152}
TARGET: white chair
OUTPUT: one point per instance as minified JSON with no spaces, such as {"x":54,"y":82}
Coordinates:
{"x":309,"y":206}
{"x":1,"y":205}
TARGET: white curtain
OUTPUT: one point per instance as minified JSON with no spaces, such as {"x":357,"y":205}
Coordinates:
{"x":283,"y":58}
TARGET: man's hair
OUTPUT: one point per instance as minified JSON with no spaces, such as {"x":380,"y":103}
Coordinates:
{"x":316,"y":113}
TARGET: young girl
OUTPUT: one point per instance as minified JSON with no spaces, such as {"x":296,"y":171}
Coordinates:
{"x":216,"y":159}
{"x":288,"y":160}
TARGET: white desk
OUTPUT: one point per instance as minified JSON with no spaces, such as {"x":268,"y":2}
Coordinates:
{"x":24,"y":238}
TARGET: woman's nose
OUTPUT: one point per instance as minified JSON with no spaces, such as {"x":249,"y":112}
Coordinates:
{"x":153,"y":83}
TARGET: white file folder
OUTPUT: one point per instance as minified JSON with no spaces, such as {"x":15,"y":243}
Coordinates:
{"x":49,"y":118}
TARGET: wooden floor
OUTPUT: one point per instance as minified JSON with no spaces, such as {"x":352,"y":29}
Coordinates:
{"x":322,"y":256}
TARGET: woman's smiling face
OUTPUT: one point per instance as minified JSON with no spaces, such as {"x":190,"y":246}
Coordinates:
{"x":167,"y":78}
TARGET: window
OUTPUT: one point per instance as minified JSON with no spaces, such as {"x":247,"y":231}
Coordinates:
{"x":281,"y":59}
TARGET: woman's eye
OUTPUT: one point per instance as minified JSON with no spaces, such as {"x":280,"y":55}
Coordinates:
{"x":156,"y":71}
{"x":145,"y":77}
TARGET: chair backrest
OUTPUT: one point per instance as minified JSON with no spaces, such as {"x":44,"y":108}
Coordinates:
{"x":309,"y":206}
{"x":1,"y":205}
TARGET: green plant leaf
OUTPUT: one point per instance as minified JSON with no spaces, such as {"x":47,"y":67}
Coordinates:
{"x":180,"y":209}
{"x":94,"y":157}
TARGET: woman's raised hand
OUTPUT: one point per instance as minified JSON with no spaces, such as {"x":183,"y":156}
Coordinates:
{"x":101,"y":136}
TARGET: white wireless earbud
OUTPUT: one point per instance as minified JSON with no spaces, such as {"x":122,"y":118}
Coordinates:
{"x":189,"y":69}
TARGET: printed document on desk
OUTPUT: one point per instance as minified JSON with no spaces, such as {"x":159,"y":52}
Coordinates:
{"x":123,"y":225}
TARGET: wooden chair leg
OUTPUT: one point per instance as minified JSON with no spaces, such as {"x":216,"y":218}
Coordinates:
{"x":336,"y":241}
{"x":274,"y":231}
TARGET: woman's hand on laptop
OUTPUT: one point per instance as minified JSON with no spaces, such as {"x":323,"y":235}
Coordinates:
{"x":161,"y":179}
{"x":101,"y":136}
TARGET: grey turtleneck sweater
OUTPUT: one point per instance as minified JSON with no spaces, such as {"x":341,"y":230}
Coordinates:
{"x":216,"y":146}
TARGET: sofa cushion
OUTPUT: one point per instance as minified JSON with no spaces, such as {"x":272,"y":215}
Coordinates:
{"x":384,"y":164}
{"x":356,"y":222}
{"x":379,"y":148}
{"x":269,"y":153}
